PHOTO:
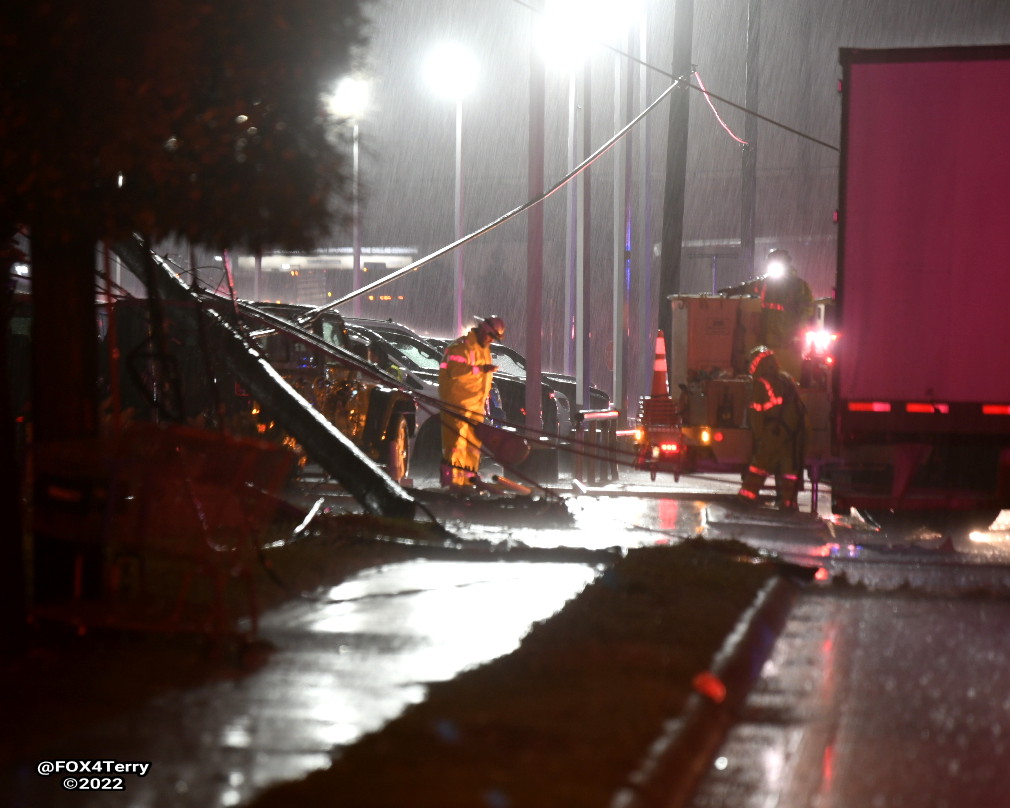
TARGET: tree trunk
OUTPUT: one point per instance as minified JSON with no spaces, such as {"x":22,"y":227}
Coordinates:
{"x":12,"y":562}
{"x":64,"y":387}
{"x":64,"y":334}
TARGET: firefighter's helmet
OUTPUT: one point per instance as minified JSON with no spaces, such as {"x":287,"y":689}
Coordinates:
{"x":779,"y":264}
{"x":493,"y":325}
{"x":761,"y":361}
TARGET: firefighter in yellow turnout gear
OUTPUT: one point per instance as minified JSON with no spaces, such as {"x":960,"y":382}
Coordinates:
{"x":464,"y":382}
{"x":778,"y":426}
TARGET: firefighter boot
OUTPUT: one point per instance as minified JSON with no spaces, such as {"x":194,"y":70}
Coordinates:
{"x":753,"y":479}
{"x":786,"y":488}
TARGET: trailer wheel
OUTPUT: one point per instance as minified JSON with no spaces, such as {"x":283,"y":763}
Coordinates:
{"x":652,"y":473}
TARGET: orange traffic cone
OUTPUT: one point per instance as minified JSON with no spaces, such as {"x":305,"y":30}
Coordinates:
{"x":660,"y":378}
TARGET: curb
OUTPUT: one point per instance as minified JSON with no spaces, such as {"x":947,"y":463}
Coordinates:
{"x":678,"y":760}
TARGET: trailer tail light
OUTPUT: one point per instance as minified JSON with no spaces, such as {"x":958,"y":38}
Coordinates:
{"x":996,"y":409}
{"x":927,"y":408}
{"x":869,"y":406}
{"x":705,"y":436}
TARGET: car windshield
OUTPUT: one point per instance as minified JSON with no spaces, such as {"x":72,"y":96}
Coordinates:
{"x":334,"y":334}
{"x":507,"y":364}
{"x":420,"y":353}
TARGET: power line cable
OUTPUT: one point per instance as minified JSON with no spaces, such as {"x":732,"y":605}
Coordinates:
{"x":707,"y":93}
{"x":392,"y":276}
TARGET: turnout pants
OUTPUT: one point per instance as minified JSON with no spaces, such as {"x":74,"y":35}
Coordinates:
{"x":460,"y":446}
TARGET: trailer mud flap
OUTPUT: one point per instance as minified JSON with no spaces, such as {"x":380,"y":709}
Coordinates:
{"x":906,"y":457}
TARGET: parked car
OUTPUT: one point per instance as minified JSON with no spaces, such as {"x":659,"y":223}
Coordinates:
{"x":416,"y":366}
{"x":555,"y":408}
{"x":511,"y":361}
{"x":408,"y":355}
{"x":321,"y":362}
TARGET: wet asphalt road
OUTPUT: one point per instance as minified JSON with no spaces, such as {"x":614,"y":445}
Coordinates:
{"x":875,"y":702}
{"x":919,"y":674}
{"x":892,"y":692}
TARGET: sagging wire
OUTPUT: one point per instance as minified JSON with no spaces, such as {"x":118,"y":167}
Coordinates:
{"x":715,"y":112}
{"x":399,"y":273}
{"x":308,"y":317}
{"x":766,"y":119}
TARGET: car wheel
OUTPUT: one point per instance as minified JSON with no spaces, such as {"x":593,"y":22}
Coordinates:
{"x":427,"y":448}
{"x":398,"y":449}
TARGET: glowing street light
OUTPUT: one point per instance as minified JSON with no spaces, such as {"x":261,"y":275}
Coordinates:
{"x":350,"y":101}
{"x":450,"y":71}
{"x":570,"y":30}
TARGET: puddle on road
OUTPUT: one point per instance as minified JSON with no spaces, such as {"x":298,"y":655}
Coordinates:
{"x":344,"y":665}
{"x":425,"y":621}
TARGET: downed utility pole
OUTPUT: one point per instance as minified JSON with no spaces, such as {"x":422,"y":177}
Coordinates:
{"x":325,"y":444}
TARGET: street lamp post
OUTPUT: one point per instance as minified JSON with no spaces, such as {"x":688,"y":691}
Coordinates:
{"x":350,"y":101}
{"x":450,"y":70}
{"x":356,"y":220}
{"x":571,"y":28}
{"x":458,"y":212}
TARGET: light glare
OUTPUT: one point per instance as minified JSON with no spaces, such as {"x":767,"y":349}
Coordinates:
{"x":451,"y":71}
{"x":569,"y":30}
{"x":351,"y":97}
